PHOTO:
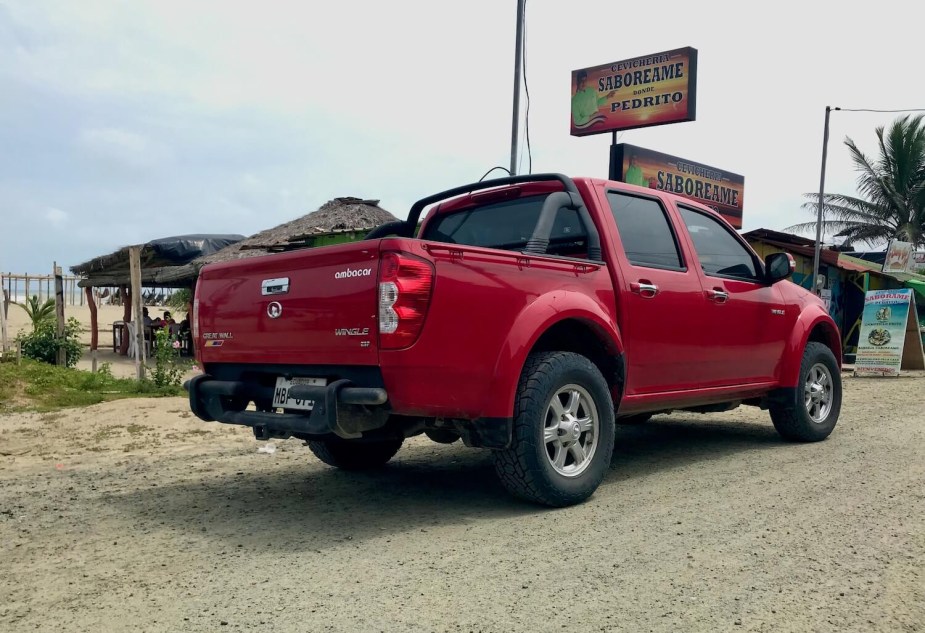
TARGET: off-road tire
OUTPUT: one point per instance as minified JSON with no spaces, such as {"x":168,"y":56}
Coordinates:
{"x":791,"y":417}
{"x":634,"y":420}
{"x":354,"y":454}
{"x":525,"y":469}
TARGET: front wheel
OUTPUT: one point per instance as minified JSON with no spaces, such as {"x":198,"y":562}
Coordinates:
{"x":563,"y":431}
{"x":354,"y":454}
{"x":810,"y":413}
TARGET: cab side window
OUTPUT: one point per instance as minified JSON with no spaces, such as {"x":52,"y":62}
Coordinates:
{"x":645,"y":232}
{"x":720,"y":253}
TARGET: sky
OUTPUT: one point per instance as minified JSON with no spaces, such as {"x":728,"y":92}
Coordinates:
{"x":122,"y":122}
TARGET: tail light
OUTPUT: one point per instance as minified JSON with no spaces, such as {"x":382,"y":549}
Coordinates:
{"x":194,"y":323}
{"x":405,"y":285}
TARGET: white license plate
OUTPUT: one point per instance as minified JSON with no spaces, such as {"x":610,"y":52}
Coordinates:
{"x":281,"y":399}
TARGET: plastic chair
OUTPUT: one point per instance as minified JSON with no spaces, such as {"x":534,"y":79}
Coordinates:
{"x":133,"y":343}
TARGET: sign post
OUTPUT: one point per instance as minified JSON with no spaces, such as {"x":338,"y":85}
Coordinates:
{"x":889,"y":339}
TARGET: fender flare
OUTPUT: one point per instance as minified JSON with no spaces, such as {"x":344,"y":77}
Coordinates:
{"x":809,"y":319}
{"x":534,"y":321}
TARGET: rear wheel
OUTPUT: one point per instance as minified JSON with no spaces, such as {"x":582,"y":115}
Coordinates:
{"x":354,"y":454}
{"x":810,"y":414}
{"x":563,"y":431}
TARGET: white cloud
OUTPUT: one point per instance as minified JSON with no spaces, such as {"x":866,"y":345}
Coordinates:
{"x":56,"y":217}
{"x":123,"y":147}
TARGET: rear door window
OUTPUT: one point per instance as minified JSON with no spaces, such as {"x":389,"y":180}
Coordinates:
{"x":508,"y":225}
{"x":719,"y":252}
{"x":647,"y":237}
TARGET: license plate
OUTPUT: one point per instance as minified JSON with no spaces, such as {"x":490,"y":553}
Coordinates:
{"x":281,"y":399}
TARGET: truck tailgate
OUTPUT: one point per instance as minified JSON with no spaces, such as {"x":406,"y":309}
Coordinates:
{"x":312,"y":306}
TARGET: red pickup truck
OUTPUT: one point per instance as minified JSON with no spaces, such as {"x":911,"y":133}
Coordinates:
{"x":527,"y":315}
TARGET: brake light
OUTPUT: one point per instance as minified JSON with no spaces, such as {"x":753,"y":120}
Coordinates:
{"x":194,"y":323}
{"x":405,"y":285}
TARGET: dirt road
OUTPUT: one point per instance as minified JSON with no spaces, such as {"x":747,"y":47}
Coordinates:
{"x":134,"y":516}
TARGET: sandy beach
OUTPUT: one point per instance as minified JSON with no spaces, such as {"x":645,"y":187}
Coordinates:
{"x":123,"y":366}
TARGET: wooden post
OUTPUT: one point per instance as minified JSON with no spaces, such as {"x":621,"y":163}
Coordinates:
{"x":7,"y":300}
{"x":125,"y":297}
{"x":94,"y":326}
{"x":4,"y":306}
{"x":59,"y":313}
{"x":134,"y":259}
{"x":27,"y":287}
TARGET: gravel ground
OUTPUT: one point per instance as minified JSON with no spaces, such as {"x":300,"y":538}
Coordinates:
{"x":135,"y":516}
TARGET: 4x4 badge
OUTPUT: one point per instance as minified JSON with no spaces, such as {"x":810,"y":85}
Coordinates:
{"x":274,"y":310}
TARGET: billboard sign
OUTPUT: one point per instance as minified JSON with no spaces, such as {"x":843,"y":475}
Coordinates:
{"x":639,"y":92}
{"x":900,"y":257}
{"x":721,"y":190}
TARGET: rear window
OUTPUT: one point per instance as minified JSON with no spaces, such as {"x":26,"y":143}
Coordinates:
{"x":646,"y":234}
{"x":508,"y":225}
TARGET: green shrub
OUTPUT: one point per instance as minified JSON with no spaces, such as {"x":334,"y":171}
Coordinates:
{"x":39,"y":312}
{"x":168,"y":366}
{"x":42,"y":343}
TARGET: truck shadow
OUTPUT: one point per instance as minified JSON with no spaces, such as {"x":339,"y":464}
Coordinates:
{"x":300,"y":507}
{"x":680,"y":440}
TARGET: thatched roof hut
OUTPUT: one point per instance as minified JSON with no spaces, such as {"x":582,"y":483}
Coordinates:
{"x":348,"y":218}
{"x":339,"y":220}
{"x":158,"y":258}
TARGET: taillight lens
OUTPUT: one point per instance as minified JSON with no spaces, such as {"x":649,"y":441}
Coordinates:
{"x":194,"y":317}
{"x":405,"y":285}
{"x":194,"y":325}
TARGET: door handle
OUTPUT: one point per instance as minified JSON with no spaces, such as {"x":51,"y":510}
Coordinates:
{"x":719,"y":295}
{"x":644,"y":289}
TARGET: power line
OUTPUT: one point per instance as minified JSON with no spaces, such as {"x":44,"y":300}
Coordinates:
{"x":874,"y":110}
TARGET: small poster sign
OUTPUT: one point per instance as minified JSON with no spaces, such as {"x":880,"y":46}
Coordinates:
{"x":890,"y":338}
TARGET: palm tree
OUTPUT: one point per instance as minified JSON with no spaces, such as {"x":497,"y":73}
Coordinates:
{"x":891,"y":201}
{"x":38,"y":312}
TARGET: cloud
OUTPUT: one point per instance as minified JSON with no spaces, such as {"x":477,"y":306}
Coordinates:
{"x":123,"y":147}
{"x":56,"y":217}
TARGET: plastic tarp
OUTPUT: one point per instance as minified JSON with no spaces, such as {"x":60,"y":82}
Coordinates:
{"x":182,"y":249}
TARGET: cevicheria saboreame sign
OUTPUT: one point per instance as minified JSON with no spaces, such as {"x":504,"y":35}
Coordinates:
{"x":639,"y":92}
{"x":721,"y":190}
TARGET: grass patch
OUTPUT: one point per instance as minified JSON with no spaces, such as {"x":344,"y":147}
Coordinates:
{"x":36,"y":386}
{"x":51,"y":419}
{"x":107,"y":432}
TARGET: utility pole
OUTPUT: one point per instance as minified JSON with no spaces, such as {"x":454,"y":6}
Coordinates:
{"x":825,"y":151}
{"x":518,"y":66}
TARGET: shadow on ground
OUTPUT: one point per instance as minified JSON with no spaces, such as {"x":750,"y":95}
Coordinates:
{"x":301,"y":506}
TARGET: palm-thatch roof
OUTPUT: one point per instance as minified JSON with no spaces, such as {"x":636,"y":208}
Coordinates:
{"x":158,"y":257}
{"x":350,"y":217}
{"x":340,"y":215}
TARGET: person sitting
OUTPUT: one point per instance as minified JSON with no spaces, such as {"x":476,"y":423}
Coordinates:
{"x":167,"y":320}
{"x":145,"y":317}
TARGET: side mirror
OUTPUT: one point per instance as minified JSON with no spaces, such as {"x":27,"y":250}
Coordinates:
{"x":779,"y":266}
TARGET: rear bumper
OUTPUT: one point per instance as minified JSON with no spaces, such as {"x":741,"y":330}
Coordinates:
{"x":341,"y":408}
